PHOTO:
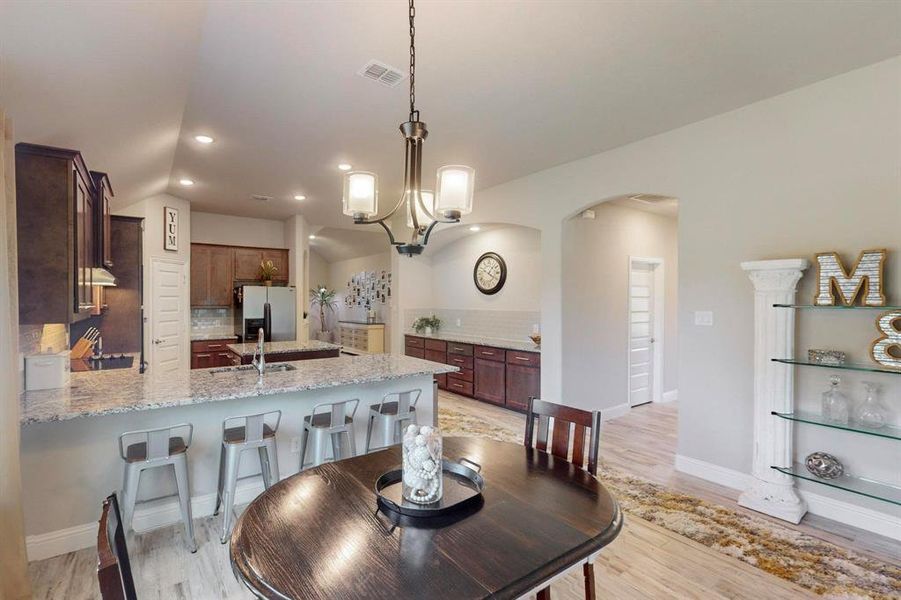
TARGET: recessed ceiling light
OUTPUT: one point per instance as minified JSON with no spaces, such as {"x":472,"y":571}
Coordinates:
{"x":475,"y":228}
{"x":299,"y":197}
{"x":203,"y":139}
{"x":186,"y":182}
{"x":312,"y":237}
{"x":344,"y":167}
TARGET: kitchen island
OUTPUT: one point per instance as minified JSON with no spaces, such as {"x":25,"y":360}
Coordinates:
{"x":69,"y":449}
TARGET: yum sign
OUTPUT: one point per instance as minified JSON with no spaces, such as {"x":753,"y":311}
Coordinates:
{"x":170,"y":229}
{"x":865,"y":281}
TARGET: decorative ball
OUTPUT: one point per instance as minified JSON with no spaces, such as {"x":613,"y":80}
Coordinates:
{"x":411,"y":429}
{"x":426,"y":430}
{"x":420,"y":440}
{"x":824,"y":466}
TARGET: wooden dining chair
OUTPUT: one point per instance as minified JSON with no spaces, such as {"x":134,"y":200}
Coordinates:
{"x":565,"y":423}
{"x":113,"y":566}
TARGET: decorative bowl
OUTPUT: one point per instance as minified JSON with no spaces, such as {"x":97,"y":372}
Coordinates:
{"x":536,"y":338}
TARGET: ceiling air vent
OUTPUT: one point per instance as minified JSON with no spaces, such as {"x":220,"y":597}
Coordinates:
{"x":651,"y":198}
{"x":384,"y":74}
{"x":261,"y":198}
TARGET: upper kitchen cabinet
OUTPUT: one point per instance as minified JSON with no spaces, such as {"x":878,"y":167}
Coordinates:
{"x":55,"y":203}
{"x":103,"y":213}
{"x":248,"y":260}
{"x":212,"y":275}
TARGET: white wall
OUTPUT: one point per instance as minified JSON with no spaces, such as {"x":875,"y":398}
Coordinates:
{"x":339,"y":274}
{"x":452,"y":265}
{"x":595,"y":277}
{"x":151,"y":209}
{"x":813,"y":169}
{"x":210,"y":228}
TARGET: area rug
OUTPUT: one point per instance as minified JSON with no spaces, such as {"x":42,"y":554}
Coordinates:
{"x":819,"y":566}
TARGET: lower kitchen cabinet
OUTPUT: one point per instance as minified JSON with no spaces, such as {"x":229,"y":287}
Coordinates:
{"x":490,"y":376}
{"x":207,"y":354}
{"x":523,"y":382}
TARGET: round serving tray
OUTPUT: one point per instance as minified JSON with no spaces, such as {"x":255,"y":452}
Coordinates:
{"x":463,"y":487}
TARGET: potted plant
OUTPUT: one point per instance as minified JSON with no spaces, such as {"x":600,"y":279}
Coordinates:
{"x":267,"y":271}
{"x":427,"y":325}
{"x":323,"y":298}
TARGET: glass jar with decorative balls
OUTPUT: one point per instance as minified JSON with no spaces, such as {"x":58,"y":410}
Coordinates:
{"x":422,"y":477}
{"x":870,"y":412}
{"x":836,"y":408}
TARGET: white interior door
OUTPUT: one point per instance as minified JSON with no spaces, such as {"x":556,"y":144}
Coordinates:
{"x":167,"y":335}
{"x":641,"y":333}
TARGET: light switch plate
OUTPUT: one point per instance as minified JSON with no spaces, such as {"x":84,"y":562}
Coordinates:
{"x":704,"y":318}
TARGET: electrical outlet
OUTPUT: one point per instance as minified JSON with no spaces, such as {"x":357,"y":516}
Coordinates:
{"x":295,"y":445}
{"x":704,"y":318}
{"x":459,"y":322}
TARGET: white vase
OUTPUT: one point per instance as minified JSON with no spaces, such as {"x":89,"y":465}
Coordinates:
{"x":428,"y":331}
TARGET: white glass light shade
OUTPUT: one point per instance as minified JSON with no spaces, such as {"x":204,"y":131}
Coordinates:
{"x":454,"y":193}
{"x":428,"y":198}
{"x":361,"y":195}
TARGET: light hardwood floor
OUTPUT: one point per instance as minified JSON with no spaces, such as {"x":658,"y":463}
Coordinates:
{"x":646,"y":561}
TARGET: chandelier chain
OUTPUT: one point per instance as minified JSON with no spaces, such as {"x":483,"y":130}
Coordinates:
{"x":412,"y":61}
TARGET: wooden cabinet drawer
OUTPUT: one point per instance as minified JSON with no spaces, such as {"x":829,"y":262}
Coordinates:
{"x":489,"y":353}
{"x":211,"y":345}
{"x":459,"y":387}
{"x":415,"y":352}
{"x":464,"y":362}
{"x":442,"y":381}
{"x":435,"y":355}
{"x":439,"y":345}
{"x":517,"y":357}
{"x":415,"y":342}
{"x":461,"y":349}
{"x":462,"y":375}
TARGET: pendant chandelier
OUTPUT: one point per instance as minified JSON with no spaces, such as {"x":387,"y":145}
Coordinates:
{"x":451,"y":199}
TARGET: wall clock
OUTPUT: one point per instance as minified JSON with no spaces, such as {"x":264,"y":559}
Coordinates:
{"x":490,"y":273}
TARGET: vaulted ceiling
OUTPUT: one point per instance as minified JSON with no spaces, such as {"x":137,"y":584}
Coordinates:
{"x":509,"y":88}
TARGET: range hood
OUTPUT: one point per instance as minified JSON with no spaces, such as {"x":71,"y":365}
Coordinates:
{"x":102,"y":277}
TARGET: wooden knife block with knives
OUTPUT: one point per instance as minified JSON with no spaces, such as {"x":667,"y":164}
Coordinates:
{"x":85,"y":344}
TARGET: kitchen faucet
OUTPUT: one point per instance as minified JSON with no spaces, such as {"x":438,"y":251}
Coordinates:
{"x":260,"y":363}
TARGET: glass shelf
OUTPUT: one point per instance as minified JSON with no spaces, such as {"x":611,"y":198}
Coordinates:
{"x":837,"y":307}
{"x":888,"y":431}
{"x":871,"y":368}
{"x":855,"y":485}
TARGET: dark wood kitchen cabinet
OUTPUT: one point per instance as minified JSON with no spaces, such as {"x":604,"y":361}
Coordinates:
{"x":102,"y":219}
{"x":212,"y":275}
{"x":436,"y":351}
{"x":247,"y":263}
{"x":206,"y":354}
{"x":55,"y":233}
{"x":490,"y":381}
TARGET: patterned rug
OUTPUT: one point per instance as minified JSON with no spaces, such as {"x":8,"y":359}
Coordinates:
{"x":824,"y":568}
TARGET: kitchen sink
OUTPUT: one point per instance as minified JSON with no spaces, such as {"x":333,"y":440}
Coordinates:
{"x":273,"y":368}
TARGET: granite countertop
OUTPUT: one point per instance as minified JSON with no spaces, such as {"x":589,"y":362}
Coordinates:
{"x":203,"y":336}
{"x":522,"y":346}
{"x":364,"y":322}
{"x":282,"y":347}
{"x":125,"y":390}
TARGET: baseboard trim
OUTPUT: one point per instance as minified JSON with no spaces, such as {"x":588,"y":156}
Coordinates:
{"x":615,"y":411}
{"x":670,"y":396}
{"x":152,"y":516}
{"x":824,"y":506}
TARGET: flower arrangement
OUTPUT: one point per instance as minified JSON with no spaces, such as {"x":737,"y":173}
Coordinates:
{"x":267,"y":271}
{"x":427,"y":324}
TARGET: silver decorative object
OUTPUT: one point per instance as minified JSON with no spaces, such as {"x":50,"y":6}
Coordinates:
{"x":867,"y":275}
{"x":824,"y":466}
{"x":422,"y":477}
{"x":826,"y":357}
{"x":886,"y":350}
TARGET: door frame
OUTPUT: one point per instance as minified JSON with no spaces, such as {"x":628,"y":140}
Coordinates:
{"x":657,"y":264}
{"x":186,"y":302}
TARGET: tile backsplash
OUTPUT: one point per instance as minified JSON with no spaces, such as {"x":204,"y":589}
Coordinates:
{"x":515,"y":325}
{"x":210,"y":320}
{"x":52,"y":337}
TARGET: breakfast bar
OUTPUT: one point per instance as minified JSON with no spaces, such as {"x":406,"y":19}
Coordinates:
{"x":69,"y":448}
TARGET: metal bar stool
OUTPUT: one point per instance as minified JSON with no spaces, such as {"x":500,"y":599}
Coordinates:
{"x":393,"y":413}
{"x":241,"y":433}
{"x":334,"y":425}
{"x":150,"y":448}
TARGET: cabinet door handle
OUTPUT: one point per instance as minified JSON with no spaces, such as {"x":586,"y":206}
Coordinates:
{"x":202,"y":355}
{"x":522,"y":358}
{"x":487,"y":353}
{"x":214,"y":346}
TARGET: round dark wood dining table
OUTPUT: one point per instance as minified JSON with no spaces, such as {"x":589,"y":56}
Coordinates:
{"x":318,"y":534}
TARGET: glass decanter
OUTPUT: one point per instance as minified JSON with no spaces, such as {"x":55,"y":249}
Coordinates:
{"x":836,"y":408}
{"x":870,"y":412}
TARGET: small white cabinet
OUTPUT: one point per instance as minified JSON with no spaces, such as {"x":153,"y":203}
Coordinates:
{"x":362,"y":337}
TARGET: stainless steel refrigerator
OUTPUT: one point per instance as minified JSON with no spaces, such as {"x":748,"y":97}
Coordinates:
{"x":250,"y":302}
